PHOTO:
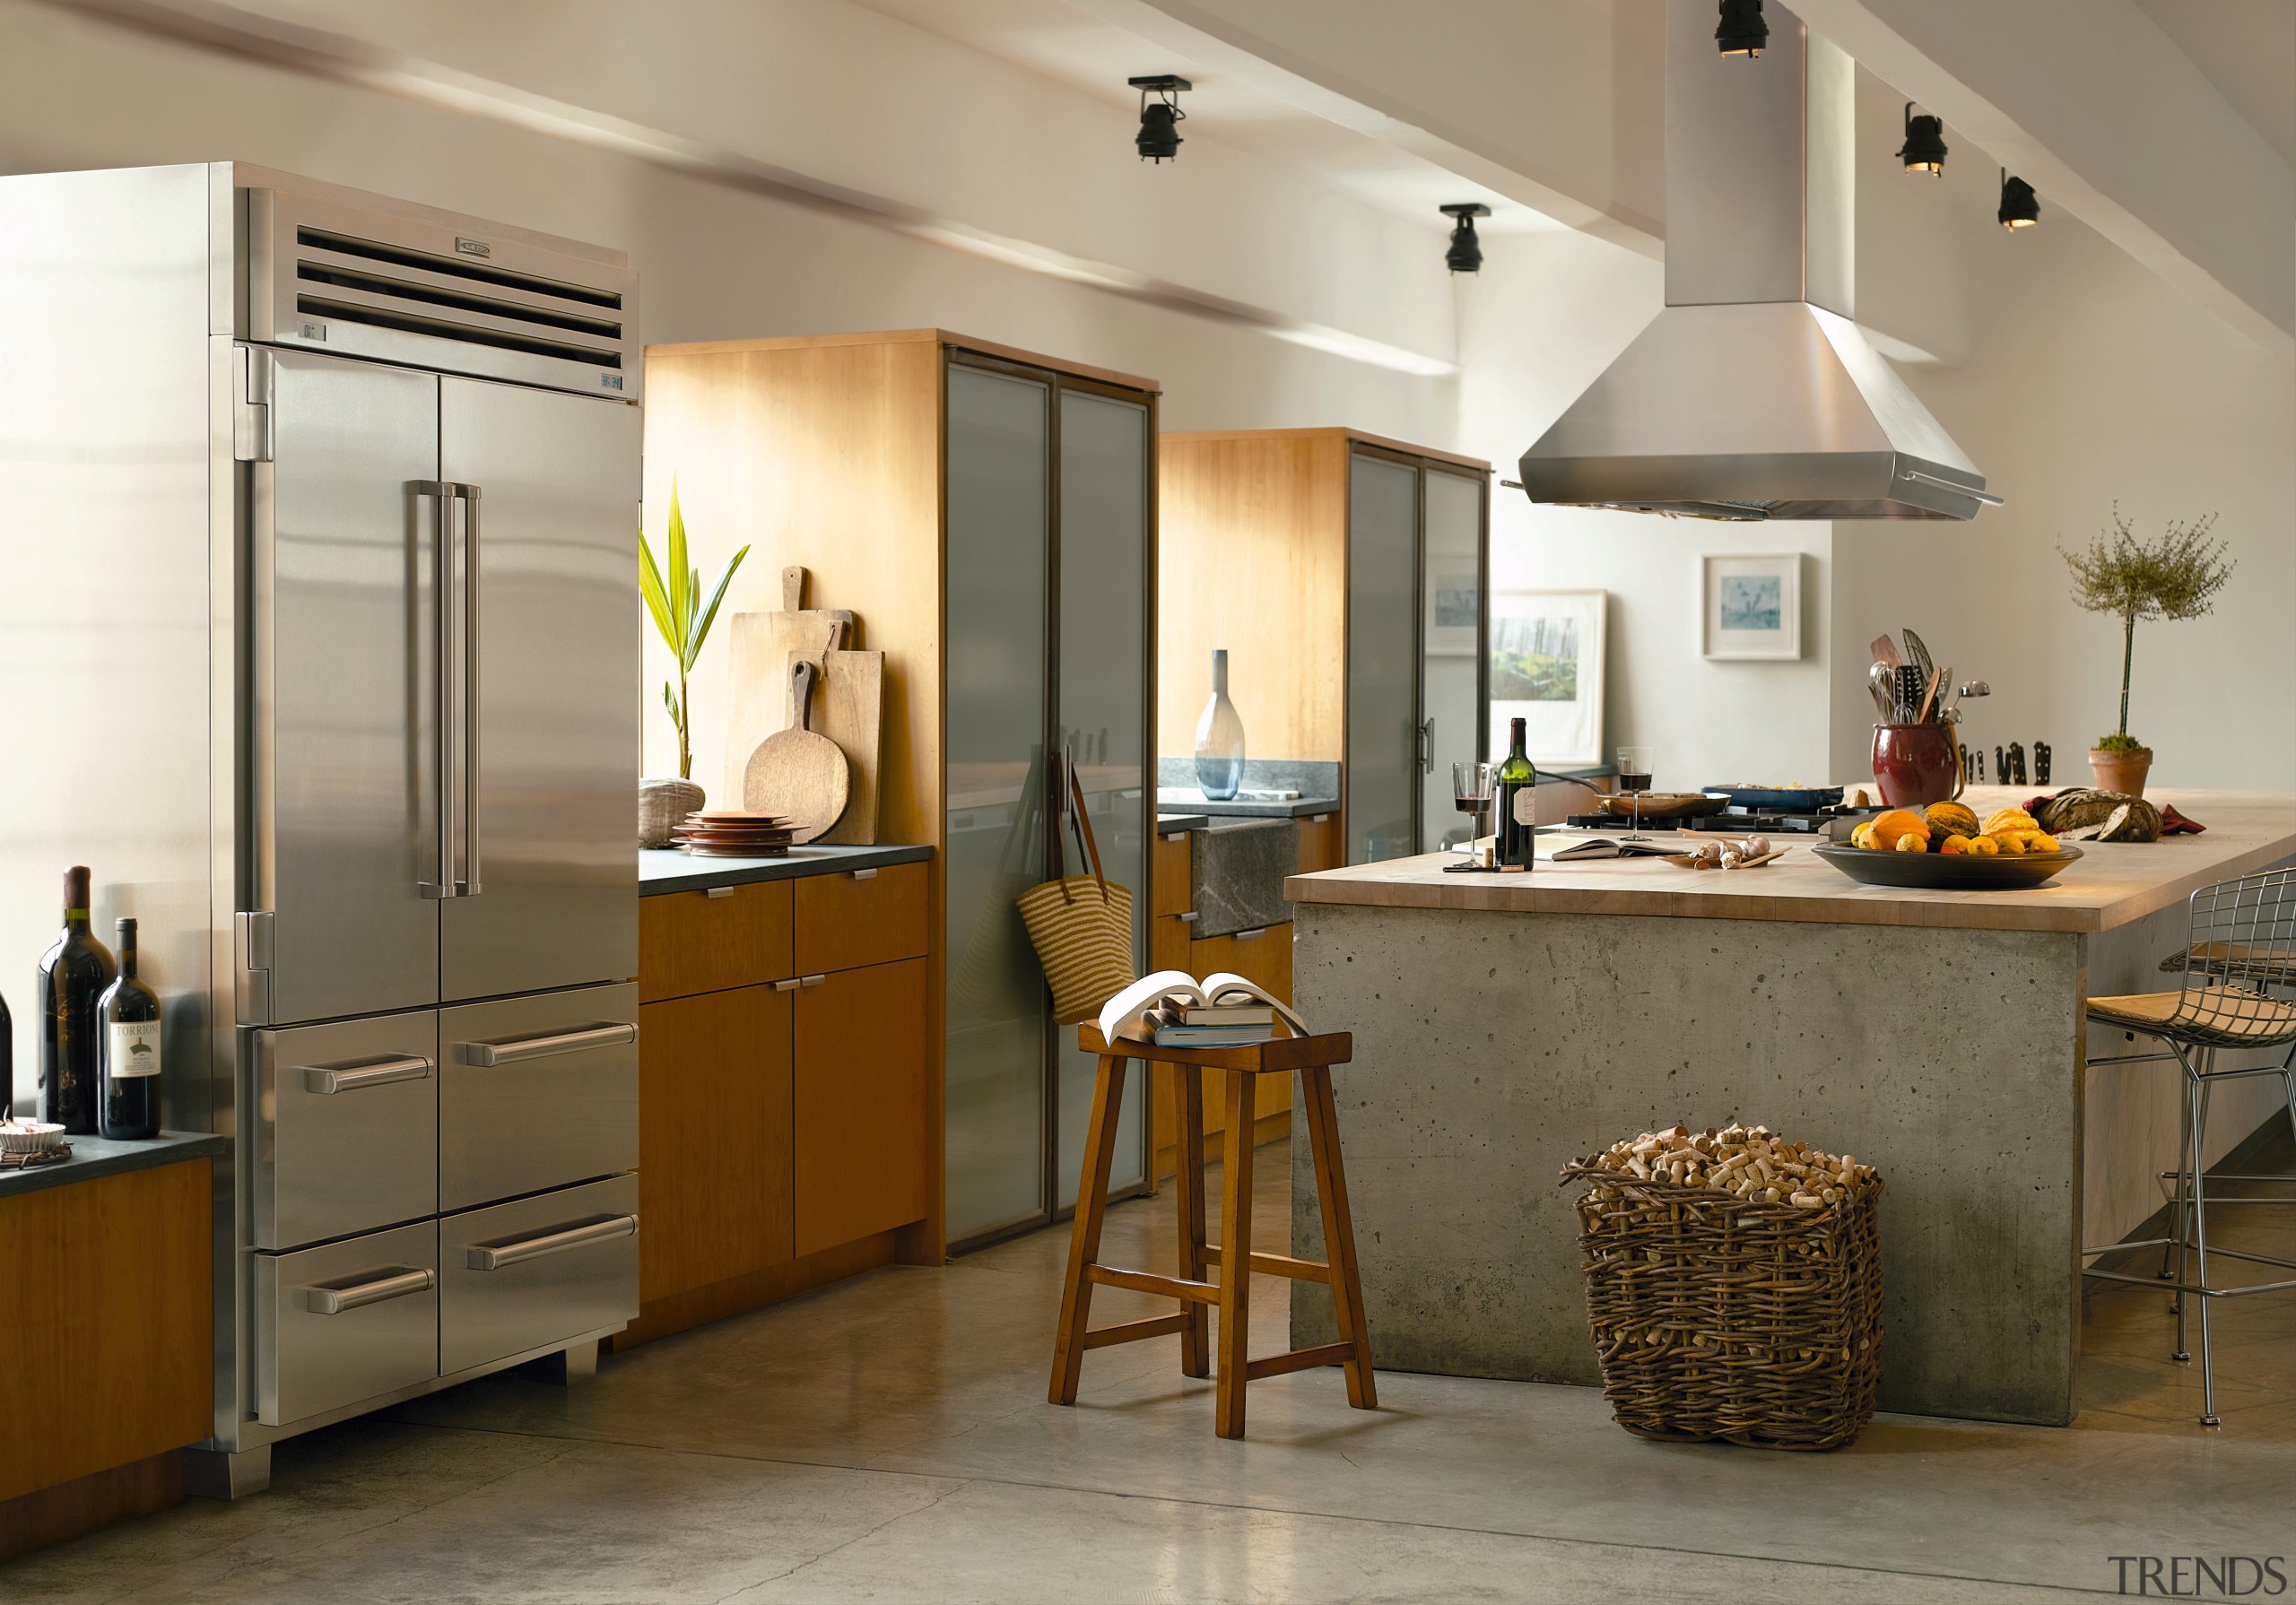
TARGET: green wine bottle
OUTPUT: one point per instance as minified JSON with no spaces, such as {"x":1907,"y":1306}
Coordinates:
{"x":1517,"y":805}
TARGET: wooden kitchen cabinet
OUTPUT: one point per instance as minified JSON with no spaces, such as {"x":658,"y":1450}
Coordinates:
{"x":860,"y":1104}
{"x":716,"y":1147}
{"x":784,"y":1089}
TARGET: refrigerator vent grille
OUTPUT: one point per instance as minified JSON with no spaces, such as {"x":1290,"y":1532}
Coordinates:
{"x":454,"y":298}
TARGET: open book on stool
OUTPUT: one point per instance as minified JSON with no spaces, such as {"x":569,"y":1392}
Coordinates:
{"x":1173,"y":1009}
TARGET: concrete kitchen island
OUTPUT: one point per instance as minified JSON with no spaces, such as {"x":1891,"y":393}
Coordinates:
{"x":1505,"y":1025}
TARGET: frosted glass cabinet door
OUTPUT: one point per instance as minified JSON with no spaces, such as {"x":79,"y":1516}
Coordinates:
{"x":1103,"y":691}
{"x":1383,"y":767}
{"x":998,"y":441}
{"x":1450,"y":637}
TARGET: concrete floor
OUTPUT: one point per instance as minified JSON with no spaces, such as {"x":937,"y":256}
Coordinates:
{"x":888,"y":1439}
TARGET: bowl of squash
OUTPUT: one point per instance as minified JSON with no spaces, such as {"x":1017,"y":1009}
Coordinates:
{"x":1946,"y":847}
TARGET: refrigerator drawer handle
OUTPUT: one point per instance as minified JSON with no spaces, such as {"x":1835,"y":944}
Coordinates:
{"x":494,"y":1257}
{"x":398,"y":1284}
{"x":520,"y":1049}
{"x":329,"y":1079}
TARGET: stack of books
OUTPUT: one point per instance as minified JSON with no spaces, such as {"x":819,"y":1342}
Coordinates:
{"x":1212,"y":1024}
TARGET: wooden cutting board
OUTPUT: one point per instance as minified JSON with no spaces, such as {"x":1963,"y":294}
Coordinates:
{"x":850,"y":710}
{"x":797,"y":772}
{"x":763,"y":647}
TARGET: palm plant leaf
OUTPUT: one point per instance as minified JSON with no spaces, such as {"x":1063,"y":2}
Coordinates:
{"x":657,"y":599}
{"x":681,"y":579}
{"x":709,"y":613}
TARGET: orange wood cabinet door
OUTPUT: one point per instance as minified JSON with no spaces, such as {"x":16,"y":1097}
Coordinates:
{"x":861,"y":1104}
{"x":1265,"y":957}
{"x":714,"y":1144}
{"x":109,"y":1320}
{"x":691,"y":942}
{"x":1170,"y":870}
{"x":1319,"y":847}
{"x":850,"y":919}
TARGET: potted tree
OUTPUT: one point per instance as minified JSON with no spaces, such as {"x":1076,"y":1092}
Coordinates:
{"x":2176,"y":577}
{"x":683,"y":616}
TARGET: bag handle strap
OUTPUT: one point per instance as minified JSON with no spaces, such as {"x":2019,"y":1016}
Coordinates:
{"x":1080,"y":823}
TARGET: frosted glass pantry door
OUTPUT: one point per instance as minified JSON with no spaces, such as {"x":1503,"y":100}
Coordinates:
{"x":1450,"y":622}
{"x":1383,"y":767}
{"x":999,"y":432}
{"x":1103,"y":690}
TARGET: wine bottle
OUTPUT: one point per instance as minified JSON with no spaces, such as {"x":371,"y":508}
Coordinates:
{"x":1517,"y":799}
{"x":128,"y":1088}
{"x":73,"y":974}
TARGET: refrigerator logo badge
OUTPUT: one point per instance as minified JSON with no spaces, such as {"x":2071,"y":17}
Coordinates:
{"x":472,"y":248}
{"x":315,"y":330}
{"x":611,"y":381}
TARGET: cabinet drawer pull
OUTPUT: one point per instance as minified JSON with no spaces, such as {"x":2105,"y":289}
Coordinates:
{"x":717,"y":891}
{"x":1248,"y":935}
{"x":789,"y":986}
{"x":494,"y":1257}
{"x":1317,"y":819}
{"x":864,"y":874}
{"x":330,"y":1079}
{"x":519,"y":1049}
{"x":398,"y":1284}
{"x":812,"y":980}
{"x":1189,"y":918}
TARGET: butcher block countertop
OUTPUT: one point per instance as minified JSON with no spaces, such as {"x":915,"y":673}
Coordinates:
{"x":2112,"y":885}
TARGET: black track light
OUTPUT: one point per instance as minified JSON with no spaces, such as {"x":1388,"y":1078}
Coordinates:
{"x":1924,"y":151}
{"x":1466,"y":254}
{"x":1743,"y":32}
{"x":2020,"y":207}
{"x":1158,"y":139}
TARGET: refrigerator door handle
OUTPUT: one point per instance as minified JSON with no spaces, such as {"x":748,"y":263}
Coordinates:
{"x":472,"y":635}
{"x":519,"y":1049}
{"x":439,"y":496}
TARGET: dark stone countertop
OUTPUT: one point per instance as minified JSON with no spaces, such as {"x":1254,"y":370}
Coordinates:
{"x":93,"y":1157}
{"x":668,"y":870}
{"x":1297,"y":808}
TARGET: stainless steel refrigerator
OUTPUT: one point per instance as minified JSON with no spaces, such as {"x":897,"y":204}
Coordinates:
{"x":319,"y":642}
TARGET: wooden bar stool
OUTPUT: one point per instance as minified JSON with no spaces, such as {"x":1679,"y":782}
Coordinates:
{"x":1310,"y":1058}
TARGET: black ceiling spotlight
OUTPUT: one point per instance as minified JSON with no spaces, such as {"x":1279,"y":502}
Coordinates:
{"x":1159,"y":140}
{"x":1466,"y":254}
{"x":1743,"y":32}
{"x":2020,"y":207}
{"x":1924,"y":151}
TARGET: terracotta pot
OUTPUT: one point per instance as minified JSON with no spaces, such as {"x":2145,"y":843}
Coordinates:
{"x":1916,"y":765}
{"x":2120,"y":769}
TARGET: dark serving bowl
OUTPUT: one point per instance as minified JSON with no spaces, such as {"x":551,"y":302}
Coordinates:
{"x":1946,"y":871}
{"x":1773,"y":796}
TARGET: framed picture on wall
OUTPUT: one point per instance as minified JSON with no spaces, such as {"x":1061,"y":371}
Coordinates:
{"x":1752,"y":606}
{"x":1454,"y":609}
{"x":1546,"y":669}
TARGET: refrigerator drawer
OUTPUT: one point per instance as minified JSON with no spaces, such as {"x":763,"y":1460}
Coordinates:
{"x":346,"y":1128}
{"x":536,"y":1092}
{"x":346,"y":1321}
{"x":524,"y":1275}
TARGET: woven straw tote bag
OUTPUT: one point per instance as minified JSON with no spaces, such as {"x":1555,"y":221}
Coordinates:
{"x":1081,"y":924}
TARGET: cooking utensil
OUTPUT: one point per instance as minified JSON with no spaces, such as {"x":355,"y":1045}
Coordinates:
{"x":1766,"y":798}
{"x":1908,"y":693}
{"x":762,"y":645}
{"x":1976,"y":688}
{"x":1918,"y":653}
{"x":1928,"y":697}
{"x":1878,"y":681}
{"x":1885,"y":652}
{"x":797,"y":771}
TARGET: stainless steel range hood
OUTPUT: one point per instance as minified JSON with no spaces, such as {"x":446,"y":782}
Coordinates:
{"x":1753,"y":394}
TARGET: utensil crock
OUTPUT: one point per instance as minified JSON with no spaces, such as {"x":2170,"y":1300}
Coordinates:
{"x":1917,"y":765}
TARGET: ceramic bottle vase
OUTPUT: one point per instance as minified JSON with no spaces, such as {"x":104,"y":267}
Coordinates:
{"x":1220,"y":739}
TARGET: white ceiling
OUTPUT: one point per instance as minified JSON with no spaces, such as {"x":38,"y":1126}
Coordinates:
{"x":1056,"y":39}
{"x":2248,"y":49}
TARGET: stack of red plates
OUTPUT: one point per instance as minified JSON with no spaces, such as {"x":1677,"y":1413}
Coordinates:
{"x":736,"y":833}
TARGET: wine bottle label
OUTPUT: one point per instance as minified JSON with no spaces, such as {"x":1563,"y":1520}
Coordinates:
{"x":1526,"y":806}
{"x":135,"y":1047}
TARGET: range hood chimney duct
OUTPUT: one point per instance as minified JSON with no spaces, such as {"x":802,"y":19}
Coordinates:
{"x":1753,"y":394}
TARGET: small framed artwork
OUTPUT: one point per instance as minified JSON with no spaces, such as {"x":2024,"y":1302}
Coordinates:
{"x":1754,"y":607}
{"x":1546,"y":669}
{"x":1453,"y":610}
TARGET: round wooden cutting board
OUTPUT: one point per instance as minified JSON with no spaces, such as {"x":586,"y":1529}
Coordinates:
{"x":796,"y":771}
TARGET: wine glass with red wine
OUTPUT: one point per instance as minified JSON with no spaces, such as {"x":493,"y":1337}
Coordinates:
{"x":1472,"y":786}
{"x":1634,"y":779}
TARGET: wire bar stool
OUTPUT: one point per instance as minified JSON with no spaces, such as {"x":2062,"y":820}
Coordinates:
{"x":2239,"y":942}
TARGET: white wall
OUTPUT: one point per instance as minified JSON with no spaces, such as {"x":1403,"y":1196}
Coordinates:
{"x":2087,"y":379}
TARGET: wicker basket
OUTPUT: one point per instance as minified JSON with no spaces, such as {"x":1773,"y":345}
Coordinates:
{"x":662,"y":804}
{"x":1758,"y":1323}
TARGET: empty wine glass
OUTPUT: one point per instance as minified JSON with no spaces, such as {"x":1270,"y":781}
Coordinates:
{"x":1473,"y":786}
{"x":1634,"y":779}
